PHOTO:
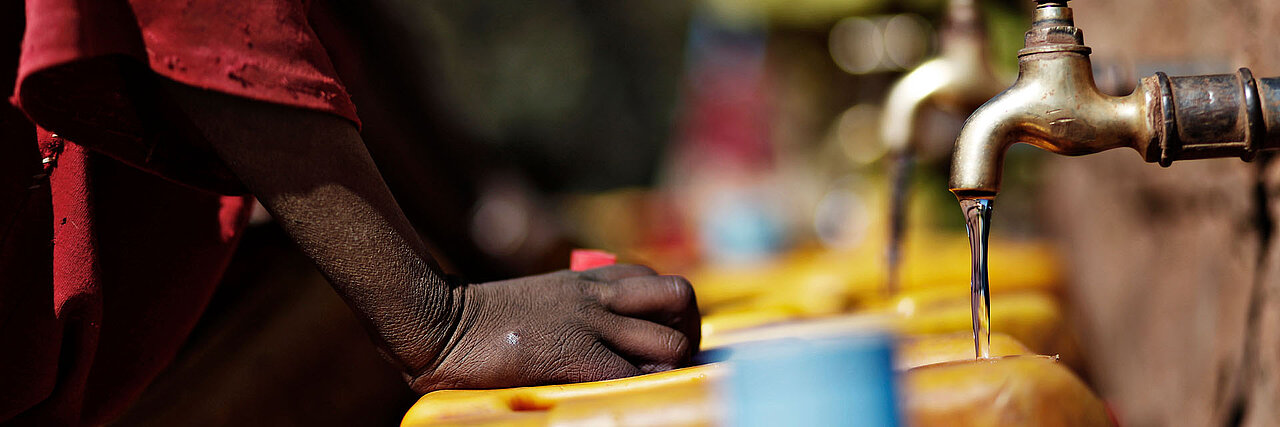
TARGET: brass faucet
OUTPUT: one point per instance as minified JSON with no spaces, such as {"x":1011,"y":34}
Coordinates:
{"x":1055,"y":105}
{"x":959,"y":79}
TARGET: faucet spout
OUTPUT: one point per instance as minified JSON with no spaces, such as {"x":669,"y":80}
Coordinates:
{"x":959,"y":79}
{"x":1054,"y":105}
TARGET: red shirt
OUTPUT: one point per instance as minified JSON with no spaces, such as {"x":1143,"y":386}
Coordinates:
{"x":116,"y":220}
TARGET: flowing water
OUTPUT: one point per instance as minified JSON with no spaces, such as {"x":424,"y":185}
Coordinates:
{"x":899,"y":186}
{"x":977,"y":217}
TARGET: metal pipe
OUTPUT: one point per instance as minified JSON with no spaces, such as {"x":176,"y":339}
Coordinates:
{"x":1055,"y":105}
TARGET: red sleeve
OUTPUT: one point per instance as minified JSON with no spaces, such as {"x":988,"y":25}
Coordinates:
{"x":85,"y":67}
{"x":263,"y":50}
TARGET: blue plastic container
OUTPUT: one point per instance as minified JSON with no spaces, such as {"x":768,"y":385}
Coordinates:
{"x":836,"y":381}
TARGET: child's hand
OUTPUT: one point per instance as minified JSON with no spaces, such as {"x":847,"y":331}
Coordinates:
{"x":564,"y":327}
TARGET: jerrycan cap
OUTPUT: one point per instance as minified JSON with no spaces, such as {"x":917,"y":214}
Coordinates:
{"x":586,"y":259}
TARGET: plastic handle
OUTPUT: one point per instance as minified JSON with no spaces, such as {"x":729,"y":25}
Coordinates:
{"x":586,"y":259}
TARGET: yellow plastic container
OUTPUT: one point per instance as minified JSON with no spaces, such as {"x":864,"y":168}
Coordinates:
{"x":544,"y":405}
{"x":811,"y":293}
{"x":684,"y":396}
{"x":821,"y":282}
{"x":688,"y":396}
{"x":1032,"y":317}
{"x":920,"y":351}
{"x":1012,"y":391}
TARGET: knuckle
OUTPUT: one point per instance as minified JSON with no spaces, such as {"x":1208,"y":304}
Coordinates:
{"x":630,"y":270}
{"x":592,"y":275}
{"x":591,"y":291}
{"x":642,"y":269}
{"x":584,"y":286}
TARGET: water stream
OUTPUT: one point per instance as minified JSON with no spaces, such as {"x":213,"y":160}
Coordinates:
{"x":899,"y":186}
{"x":977,"y":216}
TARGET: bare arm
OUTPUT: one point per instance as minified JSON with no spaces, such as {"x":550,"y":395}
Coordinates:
{"x":312,"y":172}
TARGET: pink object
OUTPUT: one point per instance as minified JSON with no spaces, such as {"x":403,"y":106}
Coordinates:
{"x":586,"y":259}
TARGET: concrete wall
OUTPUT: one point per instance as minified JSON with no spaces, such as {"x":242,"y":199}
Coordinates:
{"x":1176,"y":272}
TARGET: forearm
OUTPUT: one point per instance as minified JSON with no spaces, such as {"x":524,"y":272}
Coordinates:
{"x":312,"y":172}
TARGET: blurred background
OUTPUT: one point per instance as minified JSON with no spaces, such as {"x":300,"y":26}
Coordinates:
{"x":738,"y":142}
